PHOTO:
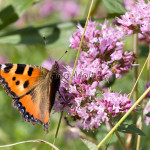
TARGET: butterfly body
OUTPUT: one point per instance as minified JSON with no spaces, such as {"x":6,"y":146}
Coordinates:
{"x":32,"y":88}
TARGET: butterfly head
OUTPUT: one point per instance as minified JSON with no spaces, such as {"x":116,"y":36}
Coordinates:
{"x":55,"y":68}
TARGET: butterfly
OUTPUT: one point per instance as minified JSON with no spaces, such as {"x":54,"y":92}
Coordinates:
{"x":32,"y":88}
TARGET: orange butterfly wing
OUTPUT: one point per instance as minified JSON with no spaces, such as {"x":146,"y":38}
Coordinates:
{"x":15,"y":78}
{"x":30,"y":87}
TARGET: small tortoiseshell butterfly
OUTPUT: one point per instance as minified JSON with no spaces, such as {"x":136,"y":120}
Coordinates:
{"x":33,"y":89}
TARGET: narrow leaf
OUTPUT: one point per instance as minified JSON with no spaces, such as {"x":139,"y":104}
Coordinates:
{"x":126,"y":128}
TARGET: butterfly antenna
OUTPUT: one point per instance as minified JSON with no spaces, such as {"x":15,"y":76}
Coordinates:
{"x":45,"y":41}
{"x":63,"y":55}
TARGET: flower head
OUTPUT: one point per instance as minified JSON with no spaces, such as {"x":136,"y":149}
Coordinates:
{"x":102,"y":50}
{"x":136,"y":20}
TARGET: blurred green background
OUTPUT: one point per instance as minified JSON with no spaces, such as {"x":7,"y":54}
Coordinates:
{"x":23,"y":23}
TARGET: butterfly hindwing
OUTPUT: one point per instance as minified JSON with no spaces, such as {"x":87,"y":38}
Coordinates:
{"x":32,"y":88}
{"x":34,"y":105}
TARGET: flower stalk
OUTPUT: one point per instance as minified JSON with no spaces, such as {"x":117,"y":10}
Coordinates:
{"x":130,"y":143}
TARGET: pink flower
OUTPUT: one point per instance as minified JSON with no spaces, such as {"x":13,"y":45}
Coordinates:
{"x":21,"y":22}
{"x":3,"y":59}
{"x":102,"y":47}
{"x":137,"y":20}
{"x":129,"y":4}
{"x":69,"y":9}
{"x":146,"y":113}
{"x":102,"y":56}
{"x":50,"y":62}
{"x":147,"y":120}
{"x":117,"y":55}
{"x":91,"y":111}
{"x":47,"y":8}
{"x":147,"y":86}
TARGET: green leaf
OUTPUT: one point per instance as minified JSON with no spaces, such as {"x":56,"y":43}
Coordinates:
{"x":148,"y":114}
{"x":114,"y":6}
{"x":34,"y":35}
{"x":13,"y":12}
{"x":126,"y":128}
{"x":57,"y":36}
{"x":89,"y":144}
{"x":30,"y":35}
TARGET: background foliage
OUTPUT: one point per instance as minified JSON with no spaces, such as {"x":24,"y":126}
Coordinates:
{"x":22,"y":27}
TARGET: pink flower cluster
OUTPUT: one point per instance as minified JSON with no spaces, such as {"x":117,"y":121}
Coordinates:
{"x":84,"y":106}
{"x":102,"y":56}
{"x":137,"y":20}
{"x":102,"y":50}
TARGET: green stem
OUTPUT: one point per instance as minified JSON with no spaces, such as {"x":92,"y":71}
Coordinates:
{"x":57,"y":128}
{"x":123,"y":118}
{"x":144,"y":102}
{"x":81,"y":42}
{"x":147,"y":61}
{"x":117,"y":134}
{"x":135,"y":94}
{"x":130,"y":142}
{"x":58,"y":125}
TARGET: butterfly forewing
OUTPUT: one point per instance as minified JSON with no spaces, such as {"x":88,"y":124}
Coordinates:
{"x":18,"y":79}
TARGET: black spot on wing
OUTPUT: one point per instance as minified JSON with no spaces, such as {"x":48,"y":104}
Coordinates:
{"x":7,"y":68}
{"x":30,"y":71}
{"x":20,"y":68}
{"x":18,"y":82}
{"x":6,"y":88}
{"x":25,"y":85}
{"x":13,"y":78}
